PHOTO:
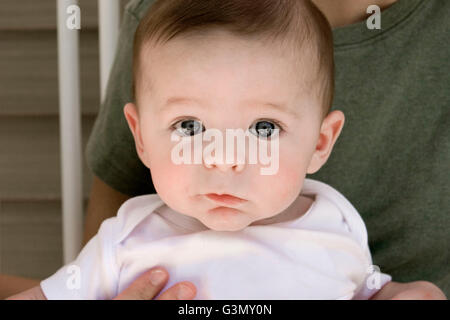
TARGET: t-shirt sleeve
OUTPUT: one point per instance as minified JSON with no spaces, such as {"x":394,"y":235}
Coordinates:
{"x":375,"y":279}
{"x":92,"y":275}
{"x":110,"y":151}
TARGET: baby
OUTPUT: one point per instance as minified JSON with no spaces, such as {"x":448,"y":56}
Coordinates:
{"x":260,"y":67}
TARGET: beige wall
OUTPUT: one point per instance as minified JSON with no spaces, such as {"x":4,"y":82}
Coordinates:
{"x":30,"y":185}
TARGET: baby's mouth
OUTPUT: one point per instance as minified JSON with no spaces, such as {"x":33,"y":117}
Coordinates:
{"x":225,"y":199}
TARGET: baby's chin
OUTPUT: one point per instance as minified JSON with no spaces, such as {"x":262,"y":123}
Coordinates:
{"x":226,"y":225}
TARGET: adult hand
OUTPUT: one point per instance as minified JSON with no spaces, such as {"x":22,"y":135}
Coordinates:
{"x":417,"y":290}
{"x":149,"y":284}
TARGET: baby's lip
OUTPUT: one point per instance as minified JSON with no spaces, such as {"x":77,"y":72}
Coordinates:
{"x":225,"y":198}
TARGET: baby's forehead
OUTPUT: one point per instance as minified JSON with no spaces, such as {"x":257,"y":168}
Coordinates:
{"x":223,"y":59}
{"x":223,"y":40}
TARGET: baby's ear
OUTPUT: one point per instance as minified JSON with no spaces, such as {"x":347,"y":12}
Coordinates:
{"x":329,"y":132}
{"x":131,"y":114}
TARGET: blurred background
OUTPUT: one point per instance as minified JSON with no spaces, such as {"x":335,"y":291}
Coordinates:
{"x":30,"y":177}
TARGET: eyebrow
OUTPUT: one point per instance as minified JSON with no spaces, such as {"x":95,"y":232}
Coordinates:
{"x":172,"y":101}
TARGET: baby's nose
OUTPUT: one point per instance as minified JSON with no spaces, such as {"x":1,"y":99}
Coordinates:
{"x":223,"y":166}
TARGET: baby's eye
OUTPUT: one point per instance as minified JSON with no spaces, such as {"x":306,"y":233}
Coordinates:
{"x":265,"y":129}
{"x":188,"y":127}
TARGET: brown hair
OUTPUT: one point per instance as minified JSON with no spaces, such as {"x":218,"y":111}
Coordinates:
{"x":298,"y":21}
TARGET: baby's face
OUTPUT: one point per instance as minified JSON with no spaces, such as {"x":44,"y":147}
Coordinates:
{"x":231,"y":80}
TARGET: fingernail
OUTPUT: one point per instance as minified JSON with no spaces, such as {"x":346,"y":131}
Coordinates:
{"x":184,"y":292}
{"x":157,"y":277}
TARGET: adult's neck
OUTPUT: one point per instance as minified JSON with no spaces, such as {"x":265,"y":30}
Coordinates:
{"x":344,"y":12}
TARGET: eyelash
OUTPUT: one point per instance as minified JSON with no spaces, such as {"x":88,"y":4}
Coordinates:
{"x":181,"y":119}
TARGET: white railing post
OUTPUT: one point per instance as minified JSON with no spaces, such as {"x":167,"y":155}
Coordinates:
{"x":108,"y":24}
{"x":70,"y":132}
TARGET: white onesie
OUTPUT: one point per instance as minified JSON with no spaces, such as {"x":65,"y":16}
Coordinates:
{"x":323,"y":254}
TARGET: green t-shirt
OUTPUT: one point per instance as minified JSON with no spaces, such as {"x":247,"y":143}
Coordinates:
{"x":392,"y":158}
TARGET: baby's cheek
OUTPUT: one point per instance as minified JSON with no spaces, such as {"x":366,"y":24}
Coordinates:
{"x":284,"y":186}
{"x":168,"y":178}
